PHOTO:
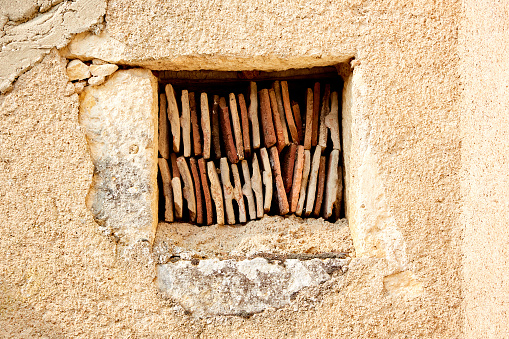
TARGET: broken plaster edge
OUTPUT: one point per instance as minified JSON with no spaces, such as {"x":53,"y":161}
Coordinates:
{"x":125,"y":236}
{"x":65,"y":20}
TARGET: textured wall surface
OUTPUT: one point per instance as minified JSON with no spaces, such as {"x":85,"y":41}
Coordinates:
{"x":61,"y":277}
{"x":485,"y":174}
{"x":30,"y":28}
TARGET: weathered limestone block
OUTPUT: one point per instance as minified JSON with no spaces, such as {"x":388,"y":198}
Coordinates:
{"x":96,"y":81}
{"x":121,"y":129}
{"x":373,"y":226}
{"x":230,"y":287}
{"x":103,"y":70}
{"x":77,"y":70}
{"x":79,"y":86}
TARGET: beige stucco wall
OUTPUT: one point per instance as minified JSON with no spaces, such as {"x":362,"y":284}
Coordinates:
{"x":430,"y":98}
{"x":485,"y":185}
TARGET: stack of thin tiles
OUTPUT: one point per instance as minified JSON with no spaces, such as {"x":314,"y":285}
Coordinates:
{"x":225,"y":159}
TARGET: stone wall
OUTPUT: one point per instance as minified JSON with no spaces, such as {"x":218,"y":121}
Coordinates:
{"x":431,"y":157}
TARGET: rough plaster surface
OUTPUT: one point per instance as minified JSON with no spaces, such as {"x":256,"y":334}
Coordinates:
{"x":485,"y":174}
{"x":120,"y":122}
{"x":223,"y":36}
{"x":245,"y":287}
{"x":30,"y":28}
{"x":61,"y":277}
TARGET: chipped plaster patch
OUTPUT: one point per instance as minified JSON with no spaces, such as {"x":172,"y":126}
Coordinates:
{"x":24,"y":44}
{"x":403,"y":284}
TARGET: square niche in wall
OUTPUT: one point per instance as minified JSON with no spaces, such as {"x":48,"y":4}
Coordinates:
{"x":255,"y":158}
{"x":236,"y":146}
{"x":249,"y":180}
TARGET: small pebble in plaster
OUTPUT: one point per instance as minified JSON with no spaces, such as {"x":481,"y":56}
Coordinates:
{"x":79,"y":86}
{"x":98,"y":62}
{"x":132,"y":190}
{"x":403,"y":284}
{"x":103,"y":70}
{"x":77,"y":70}
{"x":354,"y":63}
{"x":133,"y":149}
{"x":97,"y":80}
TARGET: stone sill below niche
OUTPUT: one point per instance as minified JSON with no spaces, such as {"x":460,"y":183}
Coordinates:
{"x":270,"y":235}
